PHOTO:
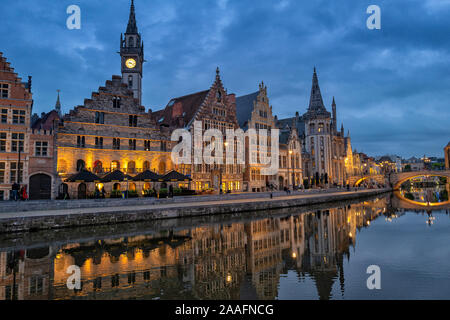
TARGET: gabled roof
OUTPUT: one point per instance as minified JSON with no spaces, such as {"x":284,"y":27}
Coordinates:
{"x":180,"y":111}
{"x":244,"y":108}
{"x":298,"y":121}
{"x":116,"y":176}
{"x":84,"y":176}
{"x":147,"y":176}
{"x":46,"y":121}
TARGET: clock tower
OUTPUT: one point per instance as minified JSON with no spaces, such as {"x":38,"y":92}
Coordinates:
{"x":132,"y":56}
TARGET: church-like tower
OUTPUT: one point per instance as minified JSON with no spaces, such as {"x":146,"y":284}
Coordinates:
{"x":318,"y":129}
{"x":132,"y":56}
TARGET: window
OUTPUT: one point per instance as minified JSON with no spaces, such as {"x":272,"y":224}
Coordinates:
{"x":163,"y":146}
{"x":4,"y":90}
{"x":41,"y":149}
{"x":2,"y":172}
{"x":99,"y":143}
{"x":36,"y":285}
{"x":17,"y":142}
{"x":2,"y":141}
{"x":133,"y":121}
{"x":132,"y":144}
{"x":116,"y":102}
{"x":81,"y":165}
{"x":14,"y":174}
{"x":321,"y":127}
{"x":116,"y":144}
{"x":18,"y":116}
{"x":81,"y":142}
{"x":147,"y":145}
{"x":115,"y":165}
{"x":4,"y":116}
{"x":130,"y":81}
{"x":219,"y":96}
{"x":100,"y":117}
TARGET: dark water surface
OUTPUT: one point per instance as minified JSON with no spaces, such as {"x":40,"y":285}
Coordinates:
{"x":321,"y":252}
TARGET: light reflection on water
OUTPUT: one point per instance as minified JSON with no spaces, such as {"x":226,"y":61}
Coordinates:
{"x":318,"y":254}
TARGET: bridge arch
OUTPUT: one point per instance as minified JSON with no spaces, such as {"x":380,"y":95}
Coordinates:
{"x":399,"y":178}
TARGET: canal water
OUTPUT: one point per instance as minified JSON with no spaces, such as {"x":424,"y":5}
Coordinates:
{"x":321,"y":252}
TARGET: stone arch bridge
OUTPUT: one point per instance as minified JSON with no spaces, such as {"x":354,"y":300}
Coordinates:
{"x":397,"y":179}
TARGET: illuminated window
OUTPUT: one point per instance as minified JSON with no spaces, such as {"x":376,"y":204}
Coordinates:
{"x":115,"y":165}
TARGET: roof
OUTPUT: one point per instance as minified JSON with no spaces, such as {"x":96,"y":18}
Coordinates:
{"x":244,"y":108}
{"x":46,"y":121}
{"x":180,"y":111}
{"x":116,"y":176}
{"x":316,"y":109}
{"x":175,"y":176}
{"x":385,"y":159}
{"x":299,"y":124}
{"x":147,"y":176}
{"x":284,"y":136}
{"x":84,"y":176}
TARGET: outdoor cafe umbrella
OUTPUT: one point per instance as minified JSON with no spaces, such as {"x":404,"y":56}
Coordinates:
{"x":174,"y":176}
{"x":117,"y":175}
{"x":83,"y":176}
{"x":147,"y":176}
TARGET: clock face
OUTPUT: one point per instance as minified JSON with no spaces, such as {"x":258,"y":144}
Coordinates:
{"x":130,"y":63}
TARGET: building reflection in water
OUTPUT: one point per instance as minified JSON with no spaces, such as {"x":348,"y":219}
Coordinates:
{"x":236,"y":261}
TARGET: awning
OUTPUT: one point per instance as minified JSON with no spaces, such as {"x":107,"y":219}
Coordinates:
{"x":117,"y":175}
{"x":83,"y":176}
{"x":147,"y":176}
{"x":175,"y":176}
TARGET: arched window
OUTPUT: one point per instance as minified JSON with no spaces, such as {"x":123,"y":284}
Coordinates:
{"x":146,"y":186}
{"x":131,"y":167}
{"x":115,"y":165}
{"x":130,"y":81}
{"x":98,"y":167}
{"x":132,"y":187}
{"x":131,"y":42}
{"x":116,"y":187}
{"x":81,"y":165}
{"x":146,"y":165}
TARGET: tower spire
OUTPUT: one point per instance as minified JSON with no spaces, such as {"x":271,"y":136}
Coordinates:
{"x":316,"y":101}
{"x":132,"y":26}
{"x":333,"y":106}
{"x":58,"y":103}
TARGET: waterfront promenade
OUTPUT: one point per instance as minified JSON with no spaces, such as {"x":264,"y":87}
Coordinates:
{"x":135,"y":210}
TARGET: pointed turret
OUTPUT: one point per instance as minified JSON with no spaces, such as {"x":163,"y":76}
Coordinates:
{"x":333,"y":106}
{"x":132,"y":25}
{"x":58,"y":104}
{"x":316,"y":107}
{"x":342,"y":130}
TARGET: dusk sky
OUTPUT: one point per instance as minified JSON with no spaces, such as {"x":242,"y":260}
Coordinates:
{"x":392,"y":86}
